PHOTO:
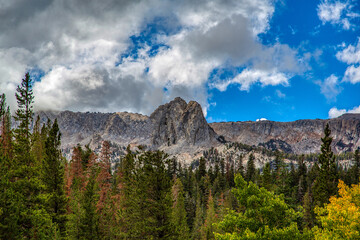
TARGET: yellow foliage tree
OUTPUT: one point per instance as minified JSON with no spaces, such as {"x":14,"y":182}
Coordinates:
{"x":340,"y":219}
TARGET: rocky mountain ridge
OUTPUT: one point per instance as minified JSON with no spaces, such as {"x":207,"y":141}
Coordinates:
{"x":175,"y":127}
{"x":299,"y":137}
{"x":181,"y":129}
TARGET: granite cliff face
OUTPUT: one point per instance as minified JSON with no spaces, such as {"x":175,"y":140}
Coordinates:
{"x":180,"y":128}
{"x":92,"y":128}
{"x":180,"y":123}
{"x":302,"y":136}
{"x":174,"y":127}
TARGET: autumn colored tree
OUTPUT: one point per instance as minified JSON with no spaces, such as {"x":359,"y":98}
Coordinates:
{"x":105,"y":203}
{"x":340,"y":218}
{"x":104,"y":177}
{"x":75,"y":184}
{"x":5,"y":128}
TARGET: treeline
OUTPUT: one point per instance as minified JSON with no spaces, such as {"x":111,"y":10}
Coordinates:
{"x":152,"y":196}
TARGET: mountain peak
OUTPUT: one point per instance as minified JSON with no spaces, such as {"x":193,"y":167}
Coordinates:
{"x":178,"y":122}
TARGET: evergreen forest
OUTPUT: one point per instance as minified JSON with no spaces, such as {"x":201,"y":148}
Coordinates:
{"x":148,"y":195}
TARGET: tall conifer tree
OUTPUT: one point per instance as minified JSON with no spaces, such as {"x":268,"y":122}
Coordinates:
{"x":326,"y":181}
{"x":178,"y":213}
{"x":53,"y":178}
{"x":33,"y":220}
{"x":250,"y":169}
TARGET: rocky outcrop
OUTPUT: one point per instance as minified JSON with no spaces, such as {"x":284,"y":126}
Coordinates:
{"x":92,"y":128}
{"x":302,"y":136}
{"x":180,"y":123}
{"x":174,"y":127}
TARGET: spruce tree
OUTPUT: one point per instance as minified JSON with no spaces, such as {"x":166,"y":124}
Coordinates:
{"x":5,"y":128}
{"x":198,"y":220}
{"x":326,"y":181}
{"x":8,"y":205}
{"x":266,"y":176}
{"x":38,"y":142}
{"x":24,"y":117}
{"x":33,"y":221}
{"x":178,"y":212}
{"x":355,"y":169}
{"x":308,"y":221}
{"x":53,"y":178}
{"x":146,"y":200}
{"x":250,"y":169}
{"x":90,"y":219}
{"x":208,"y":228}
{"x":240,"y":167}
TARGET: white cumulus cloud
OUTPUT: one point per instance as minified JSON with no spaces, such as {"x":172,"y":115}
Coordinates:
{"x":330,"y":87}
{"x":336,"y":13}
{"x":334,"y":112}
{"x":351,"y":56}
{"x":249,"y":77}
{"x":82,"y":48}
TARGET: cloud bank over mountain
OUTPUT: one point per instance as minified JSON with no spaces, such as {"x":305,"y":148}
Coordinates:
{"x":135,"y":55}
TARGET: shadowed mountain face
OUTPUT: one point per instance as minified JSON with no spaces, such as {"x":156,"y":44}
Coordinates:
{"x":180,"y":127}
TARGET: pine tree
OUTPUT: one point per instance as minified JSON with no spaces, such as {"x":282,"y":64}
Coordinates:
{"x":24,"y":116}
{"x":250,"y":169}
{"x":240,"y":167}
{"x":202,"y":169}
{"x":178,"y":213}
{"x":90,"y":219}
{"x":38,"y":142}
{"x":8,"y":207}
{"x":146,"y":196}
{"x":266,"y":176}
{"x":104,"y":205}
{"x":326,"y":181}
{"x":302,"y":176}
{"x":355,"y":169}
{"x":208,"y":228}
{"x":75,"y":184}
{"x":53,"y":178}
{"x":308,"y":210}
{"x":5,"y":128}
{"x":198,"y":220}
{"x":32,"y":218}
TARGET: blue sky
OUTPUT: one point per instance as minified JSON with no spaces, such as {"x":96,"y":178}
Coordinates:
{"x":297,"y":24}
{"x":241,"y":59}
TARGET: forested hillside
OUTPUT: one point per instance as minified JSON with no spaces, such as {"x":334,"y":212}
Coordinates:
{"x":149,"y":195}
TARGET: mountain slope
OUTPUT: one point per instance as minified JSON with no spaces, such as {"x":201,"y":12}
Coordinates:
{"x":302,"y":136}
{"x":181,"y":128}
